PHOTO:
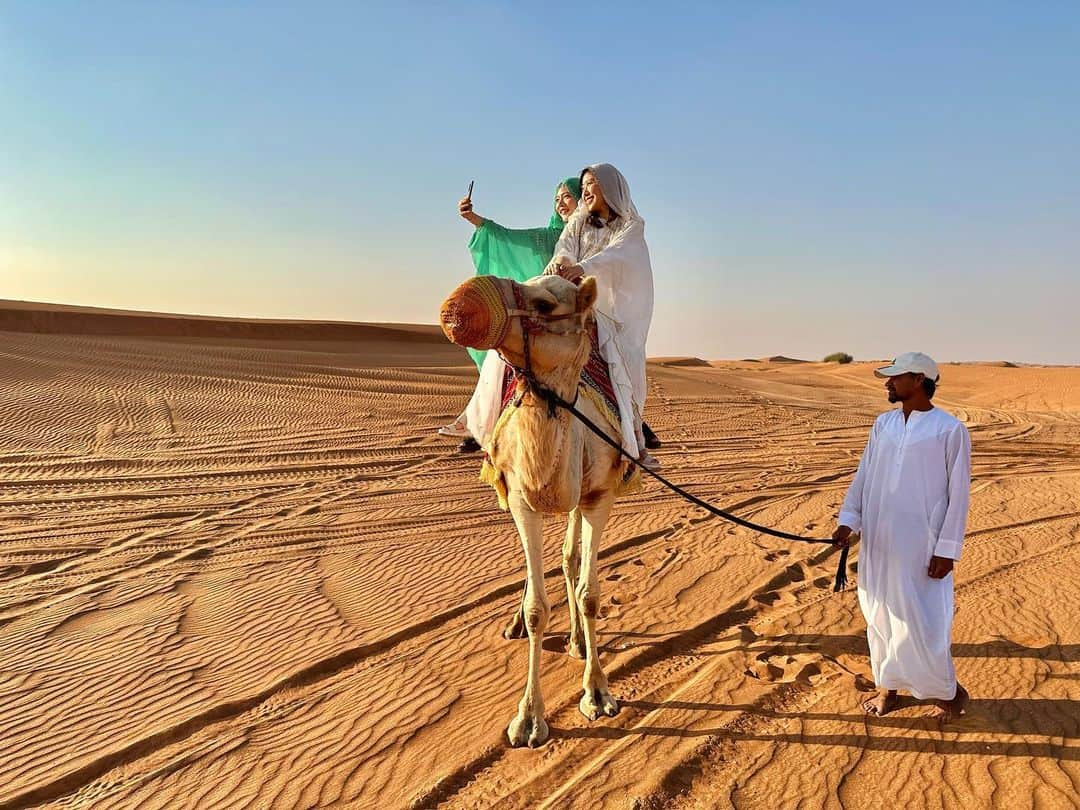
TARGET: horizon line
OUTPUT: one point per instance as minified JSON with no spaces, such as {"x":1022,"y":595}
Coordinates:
{"x":46,"y":306}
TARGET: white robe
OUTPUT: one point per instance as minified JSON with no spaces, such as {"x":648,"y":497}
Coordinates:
{"x":618,"y":257}
{"x":484,"y":406}
{"x":910,"y":501}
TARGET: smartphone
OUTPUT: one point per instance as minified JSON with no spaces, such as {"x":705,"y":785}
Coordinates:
{"x":468,"y":194}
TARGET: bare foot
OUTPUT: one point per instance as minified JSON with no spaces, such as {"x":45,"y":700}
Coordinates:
{"x":882,"y":703}
{"x":953,"y":709}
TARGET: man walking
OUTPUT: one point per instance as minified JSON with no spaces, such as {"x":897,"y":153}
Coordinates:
{"x":909,"y":500}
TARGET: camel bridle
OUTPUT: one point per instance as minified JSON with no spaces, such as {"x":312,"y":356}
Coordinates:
{"x":534,"y":323}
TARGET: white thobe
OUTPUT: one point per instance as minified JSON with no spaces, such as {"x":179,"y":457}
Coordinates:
{"x":909,"y":500}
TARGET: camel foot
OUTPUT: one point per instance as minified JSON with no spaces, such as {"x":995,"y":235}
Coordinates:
{"x":527,"y":729}
{"x":516,"y":628}
{"x":950,"y":710}
{"x":596,"y":703}
{"x":882,"y":703}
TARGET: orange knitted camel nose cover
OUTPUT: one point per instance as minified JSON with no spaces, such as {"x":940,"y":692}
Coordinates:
{"x":475,"y":315}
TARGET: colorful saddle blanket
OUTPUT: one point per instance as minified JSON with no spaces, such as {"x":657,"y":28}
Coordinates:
{"x":596,"y":387}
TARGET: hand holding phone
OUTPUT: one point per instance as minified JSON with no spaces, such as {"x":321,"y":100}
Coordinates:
{"x":466,"y":210}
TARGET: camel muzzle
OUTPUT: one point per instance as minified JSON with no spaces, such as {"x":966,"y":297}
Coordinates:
{"x":476,"y":314}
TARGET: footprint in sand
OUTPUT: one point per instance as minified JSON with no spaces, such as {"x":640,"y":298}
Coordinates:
{"x":747,"y":635}
{"x":780,"y":668}
{"x":796,"y":573}
{"x":771,"y":598}
{"x":864,"y":684}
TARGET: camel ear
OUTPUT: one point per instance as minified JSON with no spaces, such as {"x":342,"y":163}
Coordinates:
{"x":586,"y":294}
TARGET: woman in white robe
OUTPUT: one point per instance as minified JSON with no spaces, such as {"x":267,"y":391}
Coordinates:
{"x":614,"y":251}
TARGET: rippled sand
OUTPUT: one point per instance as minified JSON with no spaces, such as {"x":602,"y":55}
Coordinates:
{"x":238,"y":569}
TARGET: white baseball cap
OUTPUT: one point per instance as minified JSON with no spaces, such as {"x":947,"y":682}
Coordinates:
{"x":910,"y":363}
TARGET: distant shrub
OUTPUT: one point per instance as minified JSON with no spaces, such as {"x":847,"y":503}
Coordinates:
{"x":839,"y":357}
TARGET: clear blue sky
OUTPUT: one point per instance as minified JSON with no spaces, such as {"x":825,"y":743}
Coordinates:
{"x":814,"y":177}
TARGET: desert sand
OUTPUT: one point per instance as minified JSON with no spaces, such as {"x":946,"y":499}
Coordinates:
{"x":239,"y":569}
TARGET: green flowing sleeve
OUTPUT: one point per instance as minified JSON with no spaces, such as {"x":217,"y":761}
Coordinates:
{"x":514,"y":253}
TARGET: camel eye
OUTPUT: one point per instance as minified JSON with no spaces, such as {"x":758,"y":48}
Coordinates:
{"x":544,"y":307}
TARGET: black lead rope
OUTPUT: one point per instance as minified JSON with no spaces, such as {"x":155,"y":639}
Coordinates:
{"x":554,"y":400}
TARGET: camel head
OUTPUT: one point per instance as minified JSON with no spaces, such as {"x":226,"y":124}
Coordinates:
{"x":550,"y":312}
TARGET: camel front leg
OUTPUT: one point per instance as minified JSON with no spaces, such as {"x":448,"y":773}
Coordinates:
{"x":529,"y":726}
{"x":571,"y":565}
{"x":597,"y":700}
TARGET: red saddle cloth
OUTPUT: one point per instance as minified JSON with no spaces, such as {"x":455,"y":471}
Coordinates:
{"x":595,"y":375}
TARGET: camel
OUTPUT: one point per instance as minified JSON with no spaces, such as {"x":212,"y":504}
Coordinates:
{"x":542,"y":460}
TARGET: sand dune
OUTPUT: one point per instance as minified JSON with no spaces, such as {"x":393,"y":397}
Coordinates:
{"x":238,"y":569}
{"x":688,"y":362}
{"x":30,"y":316}
{"x":779,"y":358}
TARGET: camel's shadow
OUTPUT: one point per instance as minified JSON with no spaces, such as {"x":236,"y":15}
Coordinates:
{"x":556,"y":643}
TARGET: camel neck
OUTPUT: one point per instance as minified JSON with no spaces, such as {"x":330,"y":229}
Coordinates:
{"x":563,"y":380}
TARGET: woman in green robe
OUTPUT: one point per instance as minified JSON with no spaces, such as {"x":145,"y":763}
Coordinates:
{"x":515,"y":253}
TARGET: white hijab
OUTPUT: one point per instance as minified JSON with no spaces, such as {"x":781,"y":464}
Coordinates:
{"x":616,"y":190}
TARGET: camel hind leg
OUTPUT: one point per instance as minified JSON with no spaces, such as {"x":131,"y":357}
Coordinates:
{"x":529,"y":726}
{"x":597,"y":700}
{"x":571,"y":564}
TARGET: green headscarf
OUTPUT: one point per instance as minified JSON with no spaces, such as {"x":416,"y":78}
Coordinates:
{"x":517,"y":253}
{"x":573,"y":185}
